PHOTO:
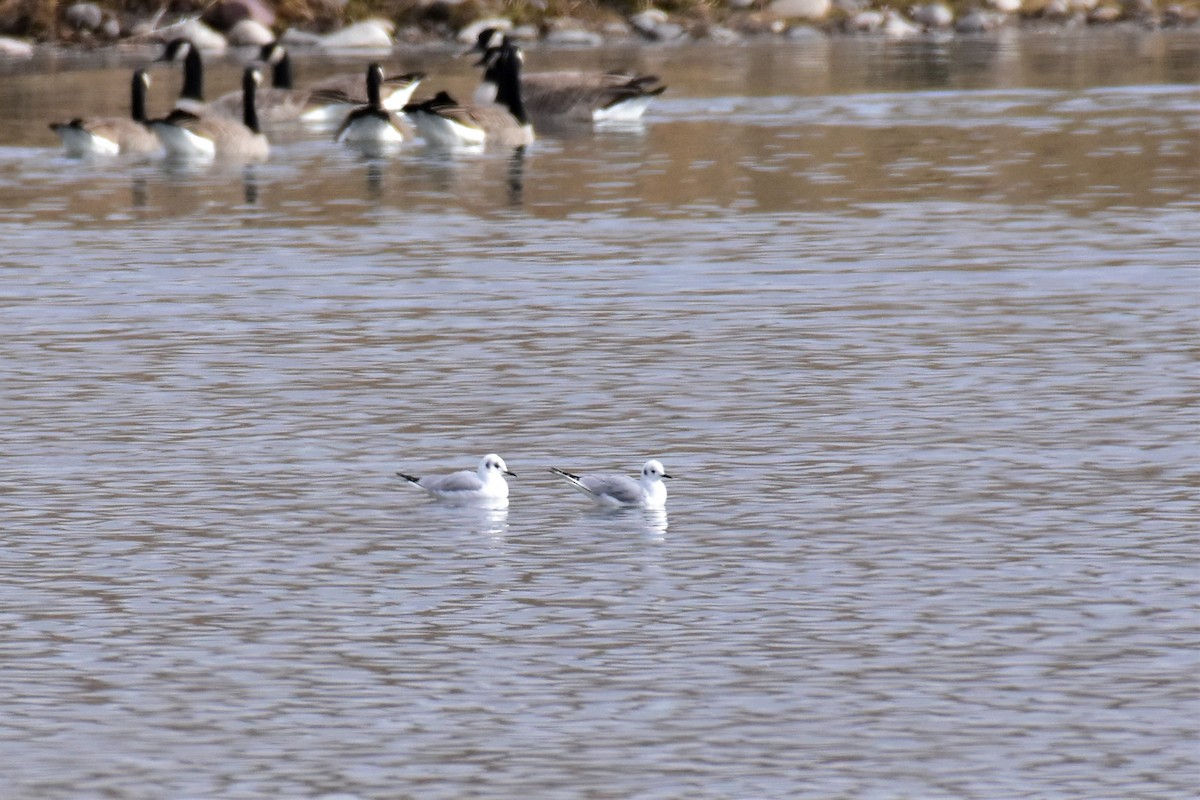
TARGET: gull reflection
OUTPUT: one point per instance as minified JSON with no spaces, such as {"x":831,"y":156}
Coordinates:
{"x":649,"y":522}
{"x":491,"y":522}
{"x":654,"y":522}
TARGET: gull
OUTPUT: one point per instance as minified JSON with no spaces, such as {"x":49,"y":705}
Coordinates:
{"x":483,"y":487}
{"x":620,"y":491}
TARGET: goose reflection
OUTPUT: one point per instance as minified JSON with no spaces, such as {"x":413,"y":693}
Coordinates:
{"x":516,"y":177}
{"x":477,"y":178}
{"x":139,"y":193}
{"x":250,"y":185}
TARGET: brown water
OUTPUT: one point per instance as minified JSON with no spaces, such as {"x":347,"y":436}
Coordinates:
{"x":913,"y":324}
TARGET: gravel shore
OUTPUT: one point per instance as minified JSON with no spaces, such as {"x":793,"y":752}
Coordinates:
{"x":378,"y":24}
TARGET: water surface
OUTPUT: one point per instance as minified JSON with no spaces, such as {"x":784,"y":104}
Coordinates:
{"x":912,"y":323}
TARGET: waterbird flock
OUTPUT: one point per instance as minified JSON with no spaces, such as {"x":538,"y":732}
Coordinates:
{"x":377,"y":110}
{"x":486,"y":486}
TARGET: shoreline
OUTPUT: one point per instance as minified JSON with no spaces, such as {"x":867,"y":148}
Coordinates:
{"x":225,"y":24}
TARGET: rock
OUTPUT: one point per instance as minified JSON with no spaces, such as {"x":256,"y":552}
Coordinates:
{"x":1005,"y":6}
{"x":975,"y":21}
{"x":15,"y":48}
{"x":200,"y":34}
{"x":223,"y":15}
{"x":803,"y":33}
{"x":719,"y":34}
{"x":668,"y":31}
{"x":524,"y":33}
{"x":799,"y":9}
{"x":865,"y":22}
{"x":933,"y":16}
{"x":249,"y":33}
{"x":574,"y":37}
{"x":84,"y":16}
{"x":372,"y":34}
{"x":470,"y":33}
{"x":1056,"y":9}
{"x":1105,"y":15}
{"x":297,"y":38}
{"x":896,"y":26}
{"x":849,"y":7}
{"x":111,"y":28}
{"x":645,"y":22}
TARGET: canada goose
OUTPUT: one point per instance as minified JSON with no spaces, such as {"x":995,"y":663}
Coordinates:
{"x":444,"y":122}
{"x":191,"y":95}
{"x":280,"y":101}
{"x":207,"y":135}
{"x":327,"y":101}
{"x":112,"y":135}
{"x":332,"y":98}
{"x":569,"y":96}
{"x":371,"y":123}
{"x":620,"y":491}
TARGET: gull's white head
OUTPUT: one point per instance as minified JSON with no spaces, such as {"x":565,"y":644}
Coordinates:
{"x":653,"y":471}
{"x":492,"y":464}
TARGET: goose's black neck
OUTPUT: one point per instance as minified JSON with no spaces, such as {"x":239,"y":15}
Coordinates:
{"x":374,"y":81}
{"x":506,"y":72}
{"x":281,"y":73}
{"x":249,"y":110}
{"x":193,"y":76}
{"x":137,"y":97}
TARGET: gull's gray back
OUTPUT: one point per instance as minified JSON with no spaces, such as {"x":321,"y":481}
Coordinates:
{"x":464,"y":481}
{"x":617,"y":487}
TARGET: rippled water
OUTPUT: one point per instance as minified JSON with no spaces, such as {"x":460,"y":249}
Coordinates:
{"x":913,"y":324}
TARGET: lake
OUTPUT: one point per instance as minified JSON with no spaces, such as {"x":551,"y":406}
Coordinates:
{"x":912,"y":324}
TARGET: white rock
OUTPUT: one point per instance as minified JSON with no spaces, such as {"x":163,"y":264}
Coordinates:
{"x":803,"y":33}
{"x":646,"y":21}
{"x":371,"y":34}
{"x":247,"y":33}
{"x":1105,"y":15}
{"x":895,"y":26}
{"x":575,"y":37}
{"x":297,"y":38}
{"x":975,"y":21}
{"x":470,"y":33}
{"x":933,"y":15}
{"x":799,"y":9}
{"x":865,"y":22}
{"x":1006,"y":6}
{"x":15,"y":48}
{"x":84,"y":16}
{"x":524,"y":33}
{"x":204,"y":37}
{"x":719,"y":34}
{"x":668,"y":31}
